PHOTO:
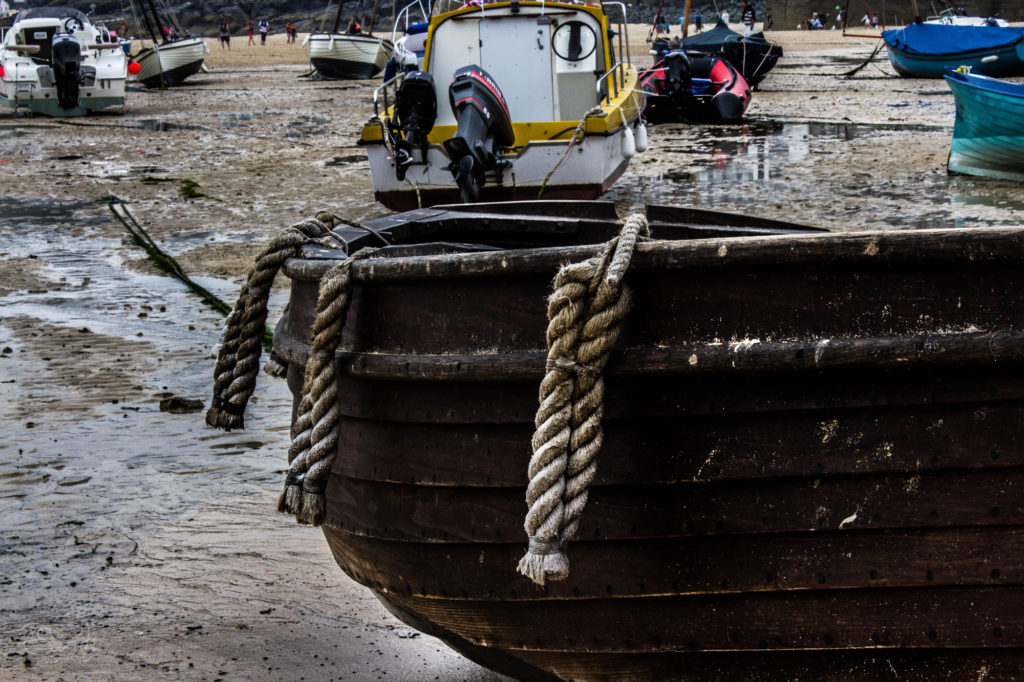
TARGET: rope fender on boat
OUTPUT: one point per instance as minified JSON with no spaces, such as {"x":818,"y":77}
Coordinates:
{"x":238,"y":359}
{"x":585,"y":314}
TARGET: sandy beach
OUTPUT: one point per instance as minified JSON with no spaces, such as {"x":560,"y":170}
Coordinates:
{"x":140,"y":544}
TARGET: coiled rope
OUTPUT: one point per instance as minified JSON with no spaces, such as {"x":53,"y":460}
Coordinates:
{"x":585,"y":314}
{"x":238,"y":359}
{"x":314,"y":430}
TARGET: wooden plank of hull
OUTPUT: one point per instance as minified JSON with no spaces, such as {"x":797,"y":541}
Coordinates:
{"x":987,"y":138}
{"x":840,"y":471}
{"x":695,"y":565}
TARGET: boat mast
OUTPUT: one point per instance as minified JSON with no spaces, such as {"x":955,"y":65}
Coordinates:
{"x":337,"y":17}
{"x":373,"y":16}
{"x":156,"y":22}
{"x":654,"y":26}
{"x":149,"y":26}
{"x":686,"y":19}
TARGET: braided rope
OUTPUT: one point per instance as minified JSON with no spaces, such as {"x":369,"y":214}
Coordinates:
{"x":314,"y":431}
{"x":237,"y":363}
{"x":585,"y":315}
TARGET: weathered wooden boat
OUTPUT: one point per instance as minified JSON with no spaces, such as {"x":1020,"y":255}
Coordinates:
{"x":516,"y":100}
{"x":926,"y":50}
{"x":988,"y":134}
{"x":171,"y":57}
{"x":813,"y":453}
{"x":348,"y":55}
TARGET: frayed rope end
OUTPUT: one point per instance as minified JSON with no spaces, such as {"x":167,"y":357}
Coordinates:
{"x":291,"y":497}
{"x":544,"y":560}
{"x":313,"y":510}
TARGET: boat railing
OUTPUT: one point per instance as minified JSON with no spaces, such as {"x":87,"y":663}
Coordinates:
{"x":380,"y":94}
{"x":621,"y":31}
{"x":609,"y":85}
{"x":404,"y":17}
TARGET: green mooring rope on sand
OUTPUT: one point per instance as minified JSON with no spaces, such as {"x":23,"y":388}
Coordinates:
{"x":166,"y":263}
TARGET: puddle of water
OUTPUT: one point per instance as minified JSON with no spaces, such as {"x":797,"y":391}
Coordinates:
{"x":735,"y":167}
{"x":346,"y":160}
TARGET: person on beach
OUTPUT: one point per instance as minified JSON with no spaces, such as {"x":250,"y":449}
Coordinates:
{"x":748,"y":17}
{"x":354,"y":28}
{"x":225,"y":36}
{"x":264,"y":28}
{"x":725,"y":16}
{"x":698,"y":22}
{"x":252,"y":30}
{"x":768,"y":21}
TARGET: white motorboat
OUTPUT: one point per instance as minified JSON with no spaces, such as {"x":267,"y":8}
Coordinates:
{"x":53,"y":61}
{"x":951,"y":18}
{"x":532,"y":100}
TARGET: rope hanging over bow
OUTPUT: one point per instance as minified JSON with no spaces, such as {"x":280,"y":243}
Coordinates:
{"x":585,"y":314}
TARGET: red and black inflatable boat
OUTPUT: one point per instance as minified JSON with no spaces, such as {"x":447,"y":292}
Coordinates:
{"x":695,"y":88}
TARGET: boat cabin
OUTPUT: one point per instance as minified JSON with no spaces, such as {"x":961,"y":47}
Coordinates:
{"x":545,"y":58}
{"x":36,"y":27}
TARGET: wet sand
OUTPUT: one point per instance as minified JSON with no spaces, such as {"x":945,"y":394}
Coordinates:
{"x":137,"y":542}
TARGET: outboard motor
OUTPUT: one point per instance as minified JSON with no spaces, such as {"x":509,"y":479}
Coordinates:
{"x":66,"y":56}
{"x":415,"y":113}
{"x":483,"y":123}
{"x":678,"y":81}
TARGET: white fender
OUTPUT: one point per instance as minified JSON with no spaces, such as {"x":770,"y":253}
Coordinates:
{"x":628,"y":143}
{"x":641,"y":137}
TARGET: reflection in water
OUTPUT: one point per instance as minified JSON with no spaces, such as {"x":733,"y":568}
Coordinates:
{"x":785,"y":165}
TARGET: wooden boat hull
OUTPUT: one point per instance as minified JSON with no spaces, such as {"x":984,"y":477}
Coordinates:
{"x":935,"y":52}
{"x":171,"y":63}
{"x":988,"y":135}
{"x":803,"y":472}
{"x":341,"y":56}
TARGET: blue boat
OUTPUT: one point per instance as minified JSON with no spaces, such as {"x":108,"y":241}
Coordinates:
{"x":988,"y":135}
{"x":926,"y":50}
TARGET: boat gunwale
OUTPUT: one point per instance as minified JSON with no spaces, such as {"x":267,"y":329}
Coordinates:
{"x":991,"y":244}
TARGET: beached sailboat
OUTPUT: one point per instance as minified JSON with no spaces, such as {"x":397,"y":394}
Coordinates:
{"x":516,"y":100}
{"x":811,"y":459}
{"x":926,"y":50}
{"x":349,"y":55}
{"x":988,"y":135}
{"x":54,"y":61}
{"x":171,"y":58}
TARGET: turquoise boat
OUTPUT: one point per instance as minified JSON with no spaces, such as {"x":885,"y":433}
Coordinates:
{"x":926,"y":50}
{"x":988,"y":135}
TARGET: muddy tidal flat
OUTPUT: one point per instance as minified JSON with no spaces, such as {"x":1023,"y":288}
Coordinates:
{"x":136,"y":542}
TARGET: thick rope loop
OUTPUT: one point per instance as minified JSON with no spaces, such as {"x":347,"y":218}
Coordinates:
{"x":314,"y":431}
{"x":585,"y":314}
{"x":237,"y":363}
